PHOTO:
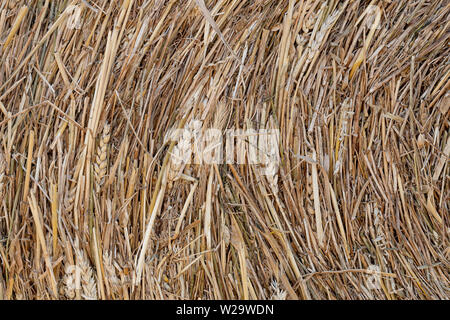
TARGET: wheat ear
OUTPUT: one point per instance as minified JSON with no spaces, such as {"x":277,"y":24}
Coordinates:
{"x":101,"y":157}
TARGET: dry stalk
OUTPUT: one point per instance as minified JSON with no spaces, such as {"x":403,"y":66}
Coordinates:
{"x":101,"y":162}
{"x":353,"y":204}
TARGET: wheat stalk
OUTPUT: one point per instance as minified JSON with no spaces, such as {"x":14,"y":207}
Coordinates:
{"x":2,"y":174}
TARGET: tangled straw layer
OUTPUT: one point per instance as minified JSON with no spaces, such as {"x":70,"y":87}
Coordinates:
{"x":355,"y":208}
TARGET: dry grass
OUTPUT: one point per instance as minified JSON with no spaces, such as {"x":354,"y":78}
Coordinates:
{"x":357,"y":210}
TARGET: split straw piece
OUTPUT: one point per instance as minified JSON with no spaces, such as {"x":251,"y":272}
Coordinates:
{"x":209,"y":18}
{"x":317,"y":212}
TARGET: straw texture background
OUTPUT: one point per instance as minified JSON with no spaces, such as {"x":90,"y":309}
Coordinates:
{"x":95,"y":205}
